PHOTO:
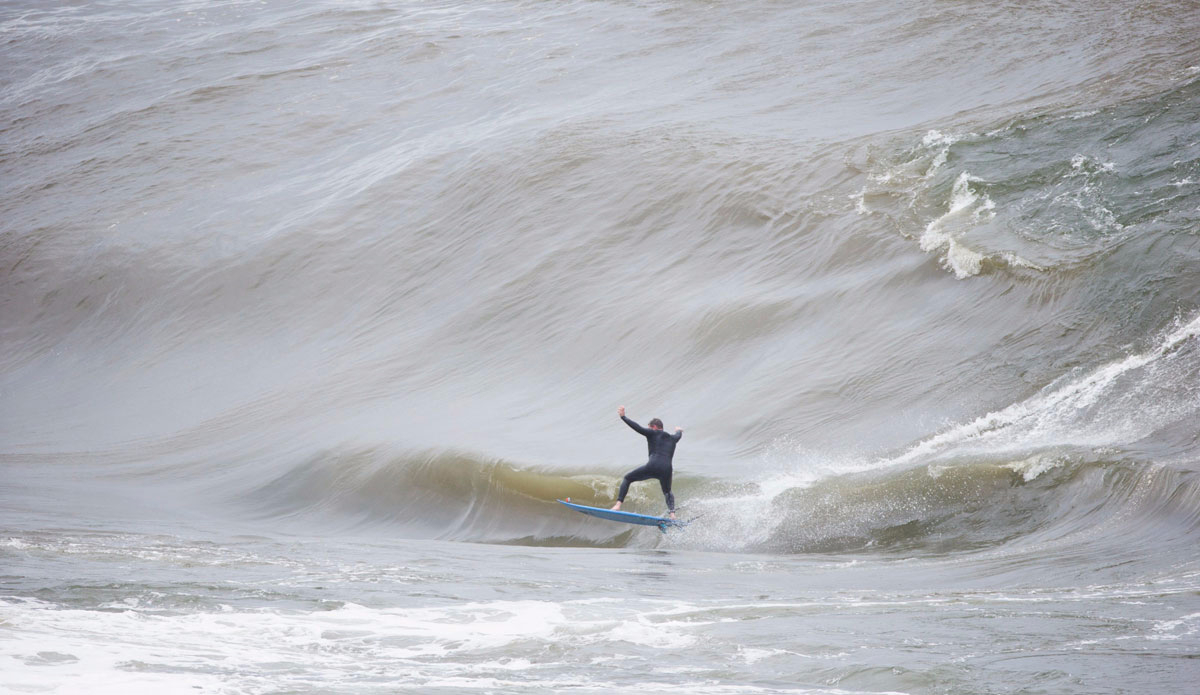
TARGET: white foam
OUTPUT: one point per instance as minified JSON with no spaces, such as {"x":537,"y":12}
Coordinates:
{"x":935,"y":138}
{"x":1184,"y":626}
{"x":1079,"y":163}
{"x":966,"y":208}
{"x":1033,"y":467}
{"x":1054,"y":414}
{"x":751,"y":655}
{"x":54,"y":649}
{"x":943,"y":143}
{"x":673,"y":684}
{"x":860,"y":202}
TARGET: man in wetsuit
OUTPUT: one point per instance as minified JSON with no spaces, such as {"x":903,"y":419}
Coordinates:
{"x":662,"y":450}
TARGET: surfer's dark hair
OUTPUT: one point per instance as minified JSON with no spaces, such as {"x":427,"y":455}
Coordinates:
{"x":656,"y":423}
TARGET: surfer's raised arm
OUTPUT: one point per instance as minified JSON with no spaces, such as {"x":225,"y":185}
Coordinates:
{"x":678,"y":433}
{"x":633,"y":425}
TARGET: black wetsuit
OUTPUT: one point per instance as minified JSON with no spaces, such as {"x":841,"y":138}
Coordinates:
{"x":662,"y":449}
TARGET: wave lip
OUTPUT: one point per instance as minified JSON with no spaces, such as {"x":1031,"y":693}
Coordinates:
{"x":1115,"y":404}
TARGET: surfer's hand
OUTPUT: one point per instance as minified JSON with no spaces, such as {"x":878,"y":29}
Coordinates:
{"x":621,"y":411}
{"x":678,"y":429}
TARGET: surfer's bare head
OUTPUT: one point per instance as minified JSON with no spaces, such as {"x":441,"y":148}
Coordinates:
{"x":656,"y":424}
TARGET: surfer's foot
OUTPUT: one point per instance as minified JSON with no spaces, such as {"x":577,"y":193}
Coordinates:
{"x":616,"y":507}
{"x":672,"y":516}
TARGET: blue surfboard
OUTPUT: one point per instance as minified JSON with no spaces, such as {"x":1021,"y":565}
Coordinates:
{"x":663,"y":523}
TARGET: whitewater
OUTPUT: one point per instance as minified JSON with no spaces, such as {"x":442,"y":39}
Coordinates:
{"x":310,"y":312}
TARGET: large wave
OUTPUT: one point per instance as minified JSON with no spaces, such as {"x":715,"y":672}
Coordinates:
{"x":303,"y":298}
{"x":961,"y":504}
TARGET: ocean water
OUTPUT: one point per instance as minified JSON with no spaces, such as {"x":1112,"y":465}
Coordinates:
{"x":310,"y":311}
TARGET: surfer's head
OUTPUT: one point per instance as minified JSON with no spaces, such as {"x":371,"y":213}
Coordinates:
{"x":656,"y":424}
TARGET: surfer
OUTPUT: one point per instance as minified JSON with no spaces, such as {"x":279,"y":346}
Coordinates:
{"x":662,"y":449}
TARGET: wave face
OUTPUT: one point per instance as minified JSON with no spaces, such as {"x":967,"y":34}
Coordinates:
{"x":1058,"y":502}
{"x":907,"y":287}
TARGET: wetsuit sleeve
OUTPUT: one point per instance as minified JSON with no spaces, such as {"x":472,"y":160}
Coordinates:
{"x":678,"y":435}
{"x":636,"y":427}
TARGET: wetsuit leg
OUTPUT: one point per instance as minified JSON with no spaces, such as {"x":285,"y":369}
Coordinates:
{"x":665,"y":482}
{"x":636,"y":475}
{"x":647,"y":472}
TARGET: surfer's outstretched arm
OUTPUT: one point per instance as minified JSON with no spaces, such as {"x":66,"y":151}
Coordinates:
{"x":678,"y":434}
{"x":636,"y":427}
{"x":632,"y":425}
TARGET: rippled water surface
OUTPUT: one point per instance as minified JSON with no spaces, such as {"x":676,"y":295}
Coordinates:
{"x":308,"y":313}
